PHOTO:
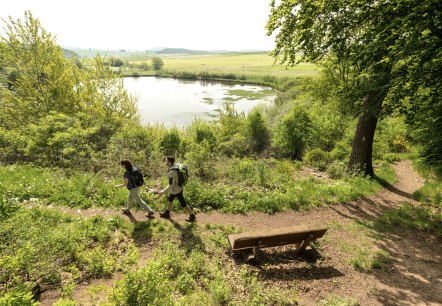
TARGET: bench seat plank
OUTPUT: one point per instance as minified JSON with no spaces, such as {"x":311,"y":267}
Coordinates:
{"x":275,"y":237}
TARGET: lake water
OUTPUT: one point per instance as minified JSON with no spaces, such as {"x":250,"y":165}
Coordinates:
{"x":173,"y":101}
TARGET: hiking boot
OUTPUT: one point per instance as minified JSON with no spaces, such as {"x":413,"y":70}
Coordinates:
{"x":125,"y":211}
{"x":150,"y":214}
{"x":165,"y":215}
{"x":191,"y":218}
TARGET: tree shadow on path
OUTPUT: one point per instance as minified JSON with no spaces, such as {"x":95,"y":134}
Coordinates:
{"x":392,"y":188}
{"x":190,"y":240}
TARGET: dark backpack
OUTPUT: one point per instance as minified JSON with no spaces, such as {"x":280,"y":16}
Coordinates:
{"x":183,"y":173}
{"x":137,"y":177}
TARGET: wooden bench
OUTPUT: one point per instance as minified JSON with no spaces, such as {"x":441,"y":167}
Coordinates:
{"x":249,"y":243}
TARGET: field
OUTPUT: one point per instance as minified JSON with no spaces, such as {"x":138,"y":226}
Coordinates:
{"x":239,"y":64}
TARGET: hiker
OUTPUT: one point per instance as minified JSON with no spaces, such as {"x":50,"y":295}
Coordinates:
{"x":175,"y":190}
{"x":133,"y":180}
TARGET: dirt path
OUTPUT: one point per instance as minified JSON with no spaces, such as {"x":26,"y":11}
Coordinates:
{"x":415,"y":277}
{"x":365,"y":208}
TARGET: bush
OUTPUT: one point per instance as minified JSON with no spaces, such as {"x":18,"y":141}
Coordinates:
{"x":317,"y":159}
{"x":292,"y":133}
{"x":337,"y":170}
{"x":390,"y":137}
{"x":12,"y":146}
{"x":235,"y":146}
{"x":231,"y":123}
{"x":133,"y":142}
{"x":61,"y":140}
{"x":116,"y":62}
{"x":170,"y":142}
{"x":148,"y":286}
{"x":19,"y":296}
{"x":157,"y":63}
{"x":257,"y":133}
{"x":200,"y":160}
{"x":203,"y":131}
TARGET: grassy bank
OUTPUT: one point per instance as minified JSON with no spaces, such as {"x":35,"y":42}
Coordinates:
{"x":431,"y":192}
{"x":236,"y":185}
{"x":44,"y":249}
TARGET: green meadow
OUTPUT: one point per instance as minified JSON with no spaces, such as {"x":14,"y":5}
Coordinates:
{"x":240,"y":64}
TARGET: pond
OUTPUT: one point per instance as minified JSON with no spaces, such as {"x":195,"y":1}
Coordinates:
{"x":177,"y":102}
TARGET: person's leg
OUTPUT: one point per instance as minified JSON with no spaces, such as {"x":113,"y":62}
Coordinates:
{"x":186,"y":207}
{"x":129,"y":203}
{"x":135,"y":193}
{"x":170,"y":199}
{"x":169,"y":205}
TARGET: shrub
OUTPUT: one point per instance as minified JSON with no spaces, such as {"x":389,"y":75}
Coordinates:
{"x":317,"y":158}
{"x":257,"y":133}
{"x":19,"y":296}
{"x":337,"y":170}
{"x":234,"y":146}
{"x":203,"y":131}
{"x":292,"y":133}
{"x":133,"y":142}
{"x":148,"y":286}
{"x":230,"y":121}
{"x":12,"y":146}
{"x":157,"y":63}
{"x":170,"y":142}
{"x":116,"y":62}
{"x":390,"y":137}
{"x":200,"y":159}
{"x":62,"y":140}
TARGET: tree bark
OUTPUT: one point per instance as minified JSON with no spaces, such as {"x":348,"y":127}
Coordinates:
{"x":362,"y":147}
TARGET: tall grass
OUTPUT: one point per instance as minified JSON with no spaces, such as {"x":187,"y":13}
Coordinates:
{"x":60,"y":187}
{"x":43,"y":249}
{"x":431,"y":192}
{"x":238,"y":185}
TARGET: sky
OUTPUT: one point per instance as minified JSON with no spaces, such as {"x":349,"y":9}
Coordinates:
{"x":232,"y":25}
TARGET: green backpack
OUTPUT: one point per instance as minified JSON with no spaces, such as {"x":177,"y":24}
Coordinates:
{"x":183,"y":173}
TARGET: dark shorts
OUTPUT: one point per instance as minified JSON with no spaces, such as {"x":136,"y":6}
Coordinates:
{"x":180,"y":198}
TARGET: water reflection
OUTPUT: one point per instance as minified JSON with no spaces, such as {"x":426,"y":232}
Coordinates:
{"x":176,"y":101}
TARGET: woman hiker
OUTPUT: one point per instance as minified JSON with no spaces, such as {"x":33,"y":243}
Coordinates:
{"x":133,"y":180}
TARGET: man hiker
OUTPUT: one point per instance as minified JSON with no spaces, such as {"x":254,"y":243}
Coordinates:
{"x":133,"y":180}
{"x":175,"y":189}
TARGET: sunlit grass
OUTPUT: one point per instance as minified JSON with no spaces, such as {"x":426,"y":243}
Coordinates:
{"x":249,"y":64}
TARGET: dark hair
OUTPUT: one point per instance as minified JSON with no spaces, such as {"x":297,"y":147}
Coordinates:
{"x":171,"y":159}
{"x":127,"y":164}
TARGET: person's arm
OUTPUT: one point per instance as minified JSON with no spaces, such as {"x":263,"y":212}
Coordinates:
{"x":122,"y":185}
{"x":171,"y":181}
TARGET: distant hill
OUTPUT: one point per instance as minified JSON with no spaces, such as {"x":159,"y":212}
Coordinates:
{"x":180,"y":51}
{"x":69,"y":53}
{"x":122,"y":53}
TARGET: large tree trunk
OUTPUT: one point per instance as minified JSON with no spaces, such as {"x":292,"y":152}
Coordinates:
{"x":362,"y":147}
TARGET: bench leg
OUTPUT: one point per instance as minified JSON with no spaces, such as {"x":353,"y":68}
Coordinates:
{"x":304,"y":244}
{"x":250,"y":255}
